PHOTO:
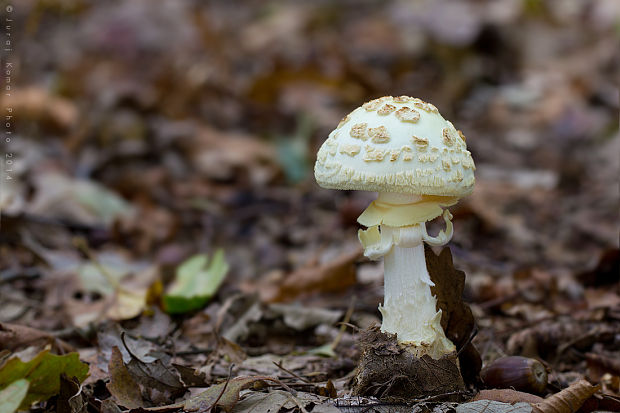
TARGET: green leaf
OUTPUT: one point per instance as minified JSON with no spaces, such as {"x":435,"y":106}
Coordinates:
{"x":13,"y":395}
{"x":197,"y":280}
{"x":293,"y":150}
{"x":43,"y":372}
{"x":326,"y":350}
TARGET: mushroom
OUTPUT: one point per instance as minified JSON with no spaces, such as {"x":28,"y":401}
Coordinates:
{"x":402,"y":148}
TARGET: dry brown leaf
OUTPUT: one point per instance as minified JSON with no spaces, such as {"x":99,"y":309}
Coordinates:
{"x":224,"y":395}
{"x":492,"y":406}
{"x":37,"y":104}
{"x":14,"y":337}
{"x":333,"y":276}
{"x":546,"y":339}
{"x":122,"y":385}
{"x":222,"y":156}
{"x":599,"y":364}
{"x":507,"y":396}
{"x":568,"y":400}
{"x":457,"y":319}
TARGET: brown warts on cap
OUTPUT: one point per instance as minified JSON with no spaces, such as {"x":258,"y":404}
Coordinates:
{"x":374,"y":154}
{"x":402,"y":99}
{"x":420,"y":104}
{"x":322,"y":155}
{"x":428,"y":107}
{"x":372,"y":105}
{"x":332,"y":146}
{"x":343,"y":121}
{"x":407,"y":153}
{"x":406,"y":114}
{"x":421,"y":143}
{"x":435,"y":149}
{"x":427,"y":157}
{"x":358,"y":131}
{"x":386,"y":109}
{"x":379,"y":134}
{"x":468,"y":164}
{"x":445,"y":165}
{"x":461,"y":136}
{"x":394,"y":154}
{"x":432,"y":108}
{"x":456,"y":177}
{"x":350,"y":150}
{"x":447,"y":137}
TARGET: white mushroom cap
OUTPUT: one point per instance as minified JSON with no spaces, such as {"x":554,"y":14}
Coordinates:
{"x":396,"y":144}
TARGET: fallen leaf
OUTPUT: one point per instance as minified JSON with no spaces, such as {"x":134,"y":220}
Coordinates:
{"x":491,"y":406}
{"x":122,"y":386}
{"x":71,"y":399}
{"x":333,"y":276}
{"x":457,"y":319}
{"x":14,"y":337}
{"x":127,"y":304}
{"x":302,"y":318}
{"x":568,"y":400}
{"x":190,"y":376}
{"x":224,"y":395}
{"x":222,"y":156}
{"x":280,"y":400}
{"x":138,"y":383}
{"x":77,"y":200}
{"x":197,"y":280}
{"x":258,"y":402}
{"x":108,"y":406}
{"x":11,"y":396}
{"x":43,"y":372}
{"x":507,"y":396}
{"x":600,"y":364}
{"x":551,"y":338}
{"x":38,"y":104}
{"x":124,"y":285}
{"x":159,"y":383}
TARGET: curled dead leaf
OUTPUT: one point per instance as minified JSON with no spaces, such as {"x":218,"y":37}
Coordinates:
{"x":507,"y":396}
{"x":568,"y":400}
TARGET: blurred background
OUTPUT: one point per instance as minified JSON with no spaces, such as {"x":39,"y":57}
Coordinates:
{"x":147,"y":132}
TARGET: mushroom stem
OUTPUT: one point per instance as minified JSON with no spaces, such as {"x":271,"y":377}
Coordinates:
{"x":409,"y":308}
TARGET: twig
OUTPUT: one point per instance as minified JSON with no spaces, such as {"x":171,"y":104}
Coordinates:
{"x":345,"y":322}
{"x":80,"y":244}
{"x":353,"y":326}
{"x":194,"y":352}
{"x":290,"y":372}
{"x":223,"y":389}
{"x":298,"y":403}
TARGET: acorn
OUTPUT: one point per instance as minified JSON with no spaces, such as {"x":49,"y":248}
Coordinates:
{"x":515,"y":372}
